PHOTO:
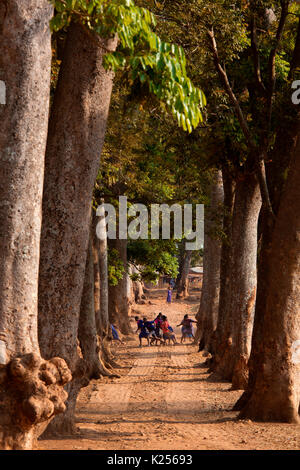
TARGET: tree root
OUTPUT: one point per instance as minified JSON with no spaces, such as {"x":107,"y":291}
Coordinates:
{"x":240,"y":374}
{"x":31,"y":392}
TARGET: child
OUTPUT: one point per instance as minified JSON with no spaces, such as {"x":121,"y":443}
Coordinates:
{"x":167,"y":333}
{"x":150,"y":325}
{"x":157,"y":322}
{"x":144,"y":333}
{"x":169,"y":295}
{"x":187,"y":328}
{"x":115,"y":334}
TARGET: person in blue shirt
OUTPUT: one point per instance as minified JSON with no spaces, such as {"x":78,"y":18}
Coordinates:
{"x":169,"y":295}
{"x":147,"y":330}
{"x":141,"y":327}
{"x":115,"y":334}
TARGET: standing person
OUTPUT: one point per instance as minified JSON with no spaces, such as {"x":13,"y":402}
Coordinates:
{"x":169,"y":295}
{"x":141,"y":326}
{"x":157,"y":323}
{"x":167,"y":334}
{"x":187,"y":328}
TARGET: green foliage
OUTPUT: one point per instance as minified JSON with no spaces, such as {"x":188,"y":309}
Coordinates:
{"x":154,"y":258}
{"x":115,"y":267}
{"x":159,"y":64}
{"x":231,"y":23}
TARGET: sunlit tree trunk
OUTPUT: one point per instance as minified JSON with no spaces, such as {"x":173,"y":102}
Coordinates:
{"x":234,"y":362}
{"x":281,"y":157}
{"x":244,"y":275}
{"x":223,"y":329}
{"x":137,"y":287}
{"x":209,"y":303}
{"x":100,"y":247}
{"x":31,"y":390}
{"x":182,"y":283}
{"x":275,"y":394}
{"x":87,"y":331}
{"x":76,"y":135}
{"x":120,"y":301}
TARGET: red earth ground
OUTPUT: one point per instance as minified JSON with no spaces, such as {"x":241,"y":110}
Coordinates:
{"x":165,"y":400}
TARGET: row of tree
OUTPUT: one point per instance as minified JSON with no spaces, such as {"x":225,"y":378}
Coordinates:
{"x":61,"y":285}
{"x":54,"y":323}
{"x":249,"y":312}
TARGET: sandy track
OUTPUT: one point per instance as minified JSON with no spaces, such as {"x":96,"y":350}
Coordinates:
{"x":164,"y":399}
{"x":114,"y":398}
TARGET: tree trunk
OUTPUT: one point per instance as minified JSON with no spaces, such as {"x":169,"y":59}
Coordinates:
{"x":97,"y":291}
{"x":87,"y":331}
{"x":138,"y":292}
{"x":276,"y":172}
{"x":76,"y":134}
{"x":234,"y":363}
{"x":31,"y":390}
{"x":101,"y":293}
{"x":276,"y":392}
{"x":183,"y":281}
{"x":209,"y":303}
{"x":104,"y":325}
{"x":182,"y":250}
{"x":119,"y":296}
{"x":138,"y":288}
{"x":223,"y":329}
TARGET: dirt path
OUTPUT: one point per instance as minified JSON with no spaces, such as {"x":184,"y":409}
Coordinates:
{"x":164,"y":401}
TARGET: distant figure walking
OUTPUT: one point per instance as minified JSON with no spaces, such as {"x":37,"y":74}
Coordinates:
{"x":169,"y":295}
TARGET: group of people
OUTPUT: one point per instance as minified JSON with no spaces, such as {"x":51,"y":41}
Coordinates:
{"x":159,"y":331}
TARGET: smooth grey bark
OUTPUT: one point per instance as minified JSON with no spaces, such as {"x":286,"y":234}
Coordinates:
{"x":95,"y":244}
{"x":207,"y":315}
{"x":103,"y":268}
{"x":275,"y":391}
{"x":30,"y":388}
{"x":75,"y":138}
{"x":138,"y":292}
{"x":137,"y":287}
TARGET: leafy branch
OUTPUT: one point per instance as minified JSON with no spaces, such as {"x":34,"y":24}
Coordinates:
{"x":159,"y":64}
